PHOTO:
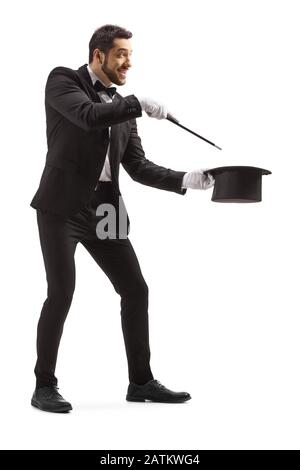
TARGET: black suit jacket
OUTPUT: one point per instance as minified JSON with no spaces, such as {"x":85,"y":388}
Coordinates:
{"x":78,"y":136}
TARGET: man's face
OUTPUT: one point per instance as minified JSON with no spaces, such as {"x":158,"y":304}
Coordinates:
{"x":113,"y":66}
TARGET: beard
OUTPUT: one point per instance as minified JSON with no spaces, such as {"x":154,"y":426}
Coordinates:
{"x":111,"y":74}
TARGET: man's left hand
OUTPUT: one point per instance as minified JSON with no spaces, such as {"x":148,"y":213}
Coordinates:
{"x":198,"y":180}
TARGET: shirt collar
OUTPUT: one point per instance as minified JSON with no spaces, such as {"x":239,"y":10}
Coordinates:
{"x":94,"y":77}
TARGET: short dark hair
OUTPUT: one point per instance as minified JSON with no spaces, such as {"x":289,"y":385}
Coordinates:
{"x":103,"y":38}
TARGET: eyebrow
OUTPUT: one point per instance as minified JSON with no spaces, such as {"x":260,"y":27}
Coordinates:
{"x":123,"y":49}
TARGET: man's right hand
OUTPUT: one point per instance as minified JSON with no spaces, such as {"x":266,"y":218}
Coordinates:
{"x":152,"y":107}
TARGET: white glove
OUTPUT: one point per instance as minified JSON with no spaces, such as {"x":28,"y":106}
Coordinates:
{"x":153,"y":108}
{"x":197,"y":180}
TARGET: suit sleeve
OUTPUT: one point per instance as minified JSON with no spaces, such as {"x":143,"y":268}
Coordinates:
{"x":64,"y":94}
{"x":146,"y":172}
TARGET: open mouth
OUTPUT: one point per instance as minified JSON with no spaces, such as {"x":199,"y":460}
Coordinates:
{"x":122,"y":72}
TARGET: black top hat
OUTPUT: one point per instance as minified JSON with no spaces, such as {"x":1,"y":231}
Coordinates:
{"x":237,"y":183}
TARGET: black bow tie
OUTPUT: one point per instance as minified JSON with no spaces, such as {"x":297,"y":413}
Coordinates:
{"x":109,"y":90}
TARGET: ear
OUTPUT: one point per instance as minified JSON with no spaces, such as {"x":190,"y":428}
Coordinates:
{"x":101,"y":56}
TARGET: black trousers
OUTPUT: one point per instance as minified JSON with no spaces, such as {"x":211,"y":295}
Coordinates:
{"x":59,"y":236}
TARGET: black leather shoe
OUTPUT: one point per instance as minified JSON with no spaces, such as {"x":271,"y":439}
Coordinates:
{"x":48,"y":399}
{"x":155,"y":391}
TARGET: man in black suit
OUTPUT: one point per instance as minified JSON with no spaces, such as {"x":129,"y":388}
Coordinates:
{"x":91,"y":129}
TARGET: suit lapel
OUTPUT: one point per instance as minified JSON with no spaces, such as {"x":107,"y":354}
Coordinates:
{"x":114,"y":137}
{"x":114,"y":130}
{"x":87,"y":81}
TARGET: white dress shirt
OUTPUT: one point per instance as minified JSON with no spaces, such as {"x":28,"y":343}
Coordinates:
{"x":104,"y":97}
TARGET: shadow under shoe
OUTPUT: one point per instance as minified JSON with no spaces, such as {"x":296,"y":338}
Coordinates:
{"x":48,"y":399}
{"x":155,"y":391}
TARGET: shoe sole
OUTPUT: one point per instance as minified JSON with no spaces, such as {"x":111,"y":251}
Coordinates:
{"x":60,"y":410}
{"x":157,"y":400}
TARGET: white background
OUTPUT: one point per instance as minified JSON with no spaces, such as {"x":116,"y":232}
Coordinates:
{"x":223,"y":278}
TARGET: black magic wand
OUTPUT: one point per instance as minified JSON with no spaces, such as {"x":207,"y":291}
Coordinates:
{"x":175,"y":121}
